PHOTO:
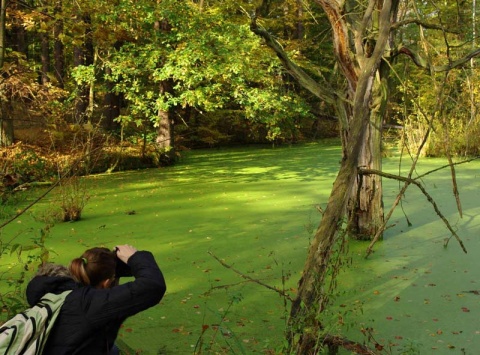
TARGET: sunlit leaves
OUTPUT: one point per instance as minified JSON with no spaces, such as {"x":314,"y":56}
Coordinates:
{"x":84,"y":74}
{"x":214,"y":64}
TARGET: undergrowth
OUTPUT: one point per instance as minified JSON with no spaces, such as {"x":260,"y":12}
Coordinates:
{"x":27,"y":259}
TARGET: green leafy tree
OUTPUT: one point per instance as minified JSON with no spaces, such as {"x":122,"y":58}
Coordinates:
{"x":210,"y":65}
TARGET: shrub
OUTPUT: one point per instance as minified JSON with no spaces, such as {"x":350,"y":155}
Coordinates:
{"x":73,"y":197}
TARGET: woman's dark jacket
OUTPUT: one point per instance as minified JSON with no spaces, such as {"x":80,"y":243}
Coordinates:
{"x":90,"y":318}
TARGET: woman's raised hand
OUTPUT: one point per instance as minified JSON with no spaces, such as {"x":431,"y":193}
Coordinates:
{"x":124,"y":252}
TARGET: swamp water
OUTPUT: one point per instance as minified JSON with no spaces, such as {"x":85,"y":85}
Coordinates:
{"x":255,"y":209}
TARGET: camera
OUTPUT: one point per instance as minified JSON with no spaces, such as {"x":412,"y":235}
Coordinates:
{"x":121,"y":269}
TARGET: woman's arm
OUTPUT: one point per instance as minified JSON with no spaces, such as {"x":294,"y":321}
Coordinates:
{"x":132,"y":297}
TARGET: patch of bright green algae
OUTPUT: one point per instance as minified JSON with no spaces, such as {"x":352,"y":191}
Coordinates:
{"x":418,"y":292}
{"x":252,"y":208}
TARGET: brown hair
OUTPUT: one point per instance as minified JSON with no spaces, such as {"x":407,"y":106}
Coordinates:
{"x":94,"y":266}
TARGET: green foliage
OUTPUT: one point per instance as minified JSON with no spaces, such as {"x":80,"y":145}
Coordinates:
{"x":205,"y":51}
{"x":214,"y":65}
{"x":219,"y":338}
{"x":19,"y":166}
{"x":29,"y":257}
{"x":29,"y":166}
{"x":448,"y":111}
{"x":83,"y":74}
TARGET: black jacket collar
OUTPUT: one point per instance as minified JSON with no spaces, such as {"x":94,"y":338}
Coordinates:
{"x":41,"y":285}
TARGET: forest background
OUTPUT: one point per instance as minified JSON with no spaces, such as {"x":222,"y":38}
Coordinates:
{"x":102,"y":86}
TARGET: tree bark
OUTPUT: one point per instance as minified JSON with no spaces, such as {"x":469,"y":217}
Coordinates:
{"x":300,"y":28}
{"x":58,"y":48}
{"x":18,"y":34}
{"x":165,"y":132}
{"x":111,"y":105}
{"x":3,"y":11}
{"x":366,"y":218}
{"x":6,"y":125}
{"x":45,"y":57}
{"x":6,"y":122}
{"x":305,"y":324}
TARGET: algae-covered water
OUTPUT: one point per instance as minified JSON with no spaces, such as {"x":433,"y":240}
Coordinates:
{"x":255,"y":209}
{"x":419,"y":292}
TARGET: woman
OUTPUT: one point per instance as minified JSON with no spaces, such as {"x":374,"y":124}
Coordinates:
{"x":93,"y":312}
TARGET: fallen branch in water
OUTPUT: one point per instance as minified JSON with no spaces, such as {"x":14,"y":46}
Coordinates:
{"x":409,"y":181}
{"x":280,"y":292}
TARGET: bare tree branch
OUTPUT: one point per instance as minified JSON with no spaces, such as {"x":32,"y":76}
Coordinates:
{"x":321,"y":91}
{"x":280,"y":292}
{"x":447,"y":166}
{"x":422,"y":63}
{"x":431,"y":26}
{"x":409,"y":181}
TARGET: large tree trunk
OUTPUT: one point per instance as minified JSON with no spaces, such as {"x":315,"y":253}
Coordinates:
{"x":354,"y":51}
{"x":6,"y":125}
{"x":165,"y":132}
{"x":18,"y":34}
{"x":362,"y":144}
{"x":305,"y":325}
{"x":364,"y":211}
{"x":366,"y":218}
{"x":111,"y":105}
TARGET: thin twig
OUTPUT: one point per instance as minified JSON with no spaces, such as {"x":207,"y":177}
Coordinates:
{"x":446,"y":166}
{"x":402,"y":191}
{"x":30,"y":205}
{"x":280,"y":292}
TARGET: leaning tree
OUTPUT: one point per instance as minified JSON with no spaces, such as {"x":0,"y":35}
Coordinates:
{"x":365,"y":45}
